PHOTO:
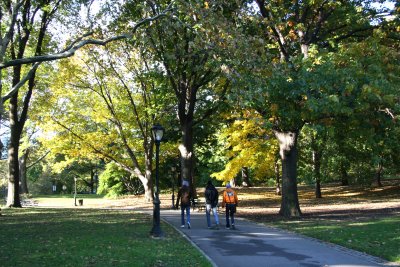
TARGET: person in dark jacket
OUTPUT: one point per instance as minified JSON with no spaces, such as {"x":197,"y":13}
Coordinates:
{"x":211,"y":197}
{"x":185,"y":197}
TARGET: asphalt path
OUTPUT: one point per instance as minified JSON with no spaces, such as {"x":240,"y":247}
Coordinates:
{"x":253,"y":244}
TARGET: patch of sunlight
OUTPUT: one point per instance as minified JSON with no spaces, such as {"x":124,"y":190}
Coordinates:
{"x":21,"y":212}
{"x":362,"y":223}
{"x":350,"y":194}
{"x":263,"y":234}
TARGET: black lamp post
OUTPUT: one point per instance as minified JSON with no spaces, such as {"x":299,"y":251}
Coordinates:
{"x":173,"y":186}
{"x":95,"y":182}
{"x":156,"y":231}
{"x":75,"y":179}
{"x":54,"y":187}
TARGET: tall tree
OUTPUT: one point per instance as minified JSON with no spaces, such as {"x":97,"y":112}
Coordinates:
{"x":299,"y":33}
{"x":189,"y":48}
{"x":27,"y":26}
{"x":23,"y":19}
{"x":126,"y":87}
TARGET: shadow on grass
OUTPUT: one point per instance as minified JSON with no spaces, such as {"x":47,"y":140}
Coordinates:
{"x":77,"y":237}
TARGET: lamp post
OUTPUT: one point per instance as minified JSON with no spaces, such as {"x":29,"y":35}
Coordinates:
{"x":173,"y":186}
{"x":75,"y":178}
{"x":96,"y":182}
{"x":156,"y":231}
{"x":54,"y":187}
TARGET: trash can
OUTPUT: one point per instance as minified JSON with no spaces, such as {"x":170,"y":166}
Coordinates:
{"x":80,"y":202}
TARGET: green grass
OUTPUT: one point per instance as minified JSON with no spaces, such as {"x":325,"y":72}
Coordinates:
{"x":377,"y":237}
{"x":89,"y":237}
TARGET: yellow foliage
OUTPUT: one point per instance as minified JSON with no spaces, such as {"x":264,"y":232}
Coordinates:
{"x":250,"y":145}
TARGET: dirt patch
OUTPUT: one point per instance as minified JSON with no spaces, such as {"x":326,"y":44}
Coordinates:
{"x":337,"y":202}
{"x":262,"y":204}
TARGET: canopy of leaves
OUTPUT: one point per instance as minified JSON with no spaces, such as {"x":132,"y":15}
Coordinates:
{"x":248,"y":144}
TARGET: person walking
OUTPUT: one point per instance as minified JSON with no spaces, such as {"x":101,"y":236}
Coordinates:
{"x":211,"y":196}
{"x":230,"y":202}
{"x":184,"y":196}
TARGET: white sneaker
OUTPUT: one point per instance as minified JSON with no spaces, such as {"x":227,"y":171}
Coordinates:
{"x":182,"y":226}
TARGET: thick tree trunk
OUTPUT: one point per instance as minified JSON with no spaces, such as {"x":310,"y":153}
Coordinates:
{"x":378,"y":174}
{"x":13,"y":198}
{"x":147,"y":179}
{"x":187,"y":153}
{"x":288,"y":151}
{"x":343,"y":173}
{"x":232,"y":182}
{"x":277,"y":178}
{"x":316,"y":159}
{"x":246,"y":177}
{"x":22,"y":172}
{"x":148,"y":188}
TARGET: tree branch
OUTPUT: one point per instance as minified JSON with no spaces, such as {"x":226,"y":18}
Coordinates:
{"x":38,"y":160}
{"x":15,"y":89}
{"x":70,"y":51}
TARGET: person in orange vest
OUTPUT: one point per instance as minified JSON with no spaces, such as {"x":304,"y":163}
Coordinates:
{"x":230,"y":202}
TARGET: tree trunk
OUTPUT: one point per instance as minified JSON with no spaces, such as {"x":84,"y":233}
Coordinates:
{"x":148,"y":188}
{"x":232,"y":182}
{"x":187,"y":153}
{"x":147,"y":179}
{"x":288,"y":151}
{"x":22,"y":172}
{"x":316,"y":159}
{"x":13,"y":198}
{"x":18,"y":118}
{"x":277,"y":178}
{"x":246,"y":177}
{"x":378,"y":174}
{"x":91,"y":182}
{"x":343,"y":174}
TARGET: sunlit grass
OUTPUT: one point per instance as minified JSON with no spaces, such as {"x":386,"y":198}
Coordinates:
{"x":89,"y":237}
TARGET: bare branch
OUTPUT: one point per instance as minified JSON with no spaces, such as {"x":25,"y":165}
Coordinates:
{"x":70,"y":51}
{"x":21,"y":82}
{"x":388,"y":112}
{"x":38,"y":160}
{"x":7,"y":37}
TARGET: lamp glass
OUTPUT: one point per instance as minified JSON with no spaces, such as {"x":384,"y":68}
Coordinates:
{"x":158,"y":132}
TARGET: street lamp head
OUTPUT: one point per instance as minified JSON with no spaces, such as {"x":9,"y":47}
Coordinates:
{"x":158,"y":132}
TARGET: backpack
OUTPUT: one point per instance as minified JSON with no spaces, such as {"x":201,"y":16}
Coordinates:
{"x":185,"y":197}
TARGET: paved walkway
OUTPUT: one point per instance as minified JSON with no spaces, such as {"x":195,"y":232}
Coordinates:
{"x":253,"y":244}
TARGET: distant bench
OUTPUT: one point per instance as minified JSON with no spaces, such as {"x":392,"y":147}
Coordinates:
{"x":29,"y":202}
{"x":201,"y":205}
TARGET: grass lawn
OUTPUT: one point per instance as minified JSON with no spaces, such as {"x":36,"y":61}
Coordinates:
{"x":89,"y":237}
{"x":377,"y":237}
{"x":366,"y":220}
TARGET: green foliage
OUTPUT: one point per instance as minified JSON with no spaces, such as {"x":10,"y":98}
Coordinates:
{"x":114,"y":180}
